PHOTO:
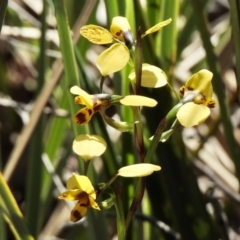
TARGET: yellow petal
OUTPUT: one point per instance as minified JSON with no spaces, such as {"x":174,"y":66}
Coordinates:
{"x":96,"y":34}
{"x":85,"y":97}
{"x":113,"y":59}
{"x":70,"y":195}
{"x":157,"y":27}
{"x":118,"y":26}
{"x":191,"y":114}
{"x":82,"y":183}
{"x":201,"y":82}
{"x":80,"y":210}
{"x":138,"y":170}
{"x":93,"y":204}
{"x":152,"y":77}
{"x":83,"y":116}
{"x":89,"y":146}
{"x":136,"y":100}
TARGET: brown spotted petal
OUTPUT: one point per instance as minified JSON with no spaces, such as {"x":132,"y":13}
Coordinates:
{"x":80,"y":209}
{"x":83,"y":116}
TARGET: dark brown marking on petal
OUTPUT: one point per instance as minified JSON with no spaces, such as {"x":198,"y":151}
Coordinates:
{"x":182,"y":90}
{"x":190,"y":88}
{"x":119,"y":33}
{"x":76,"y":214}
{"x":80,"y":118}
{"x":211,"y":104}
{"x":98,"y":107}
{"x":90,"y":112}
{"x":78,"y":100}
{"x":84,"y":204}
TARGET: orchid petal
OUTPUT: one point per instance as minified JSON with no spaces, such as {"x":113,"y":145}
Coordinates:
{"x":89,"y":146}
{"x":136,"y":100}
{"x":191,"y":114}
{"x":82,"y":183}
{"x":85,"y":97}
{"x":138,"y":170}
{"x":152,"y":77}
{"x":201,"y":82}
{"x":157,"y":27}
{"x":96,"y":34}
{"x":113,"y":59}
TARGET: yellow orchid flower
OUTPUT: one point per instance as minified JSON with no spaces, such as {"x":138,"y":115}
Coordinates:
{"x":93,"y":103}
{"x":197,"y":98}
{"x":80,"y":188}
{"x":117,"y":56}
{"x":89,"y":146}
{"x":97,"y":102}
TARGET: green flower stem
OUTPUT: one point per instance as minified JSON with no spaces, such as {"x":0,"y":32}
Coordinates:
{"x":217,"y":80}
{"x":138,"y":132}
{"x":138,"y":196}
{"x":105,"y":186}
{"x":235,"y":19}
{"x":86,"y":164}
{"x":138,"y":62}
{"x":164,"y":124}
{"x":11,"y":212}
{"x":101,"y":83}
{"x":174,"y":92}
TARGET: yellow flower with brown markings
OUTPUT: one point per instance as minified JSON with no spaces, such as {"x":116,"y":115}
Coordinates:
{"x":80,"y":189}
{"x":197,"y":98}
{"x":93,"y":104}
{"x":97,"y":102}
{"x":117,"y":55}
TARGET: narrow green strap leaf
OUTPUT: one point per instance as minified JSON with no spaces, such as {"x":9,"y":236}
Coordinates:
{"x":3,"y":6}
{"x":14,"y":218}
{"x":235,"y":19}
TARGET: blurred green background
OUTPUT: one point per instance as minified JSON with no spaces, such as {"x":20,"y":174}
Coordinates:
{"x":196,"y":193}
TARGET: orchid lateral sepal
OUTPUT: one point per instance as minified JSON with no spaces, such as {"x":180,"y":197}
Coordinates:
{"x":118,"y":125}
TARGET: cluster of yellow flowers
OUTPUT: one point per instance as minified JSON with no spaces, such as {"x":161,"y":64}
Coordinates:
{"x":193,"y":107}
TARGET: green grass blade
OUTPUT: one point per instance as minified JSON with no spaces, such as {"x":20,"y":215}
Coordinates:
{"x":235,"y":20}
{"x":34,"y":181}
{"x":12,"y":213}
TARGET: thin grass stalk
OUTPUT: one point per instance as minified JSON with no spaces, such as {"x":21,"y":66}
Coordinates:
{"x":3,"y":233}
{"x":217,"y":83}
{"x":3,"y":7}
{"x":35,"y":167}
{"x":112,"y":9}
{"x":235,"y":19}
{"x":66,"y":46}
{"x":12,"y":212}
{"x":167,"y":50}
